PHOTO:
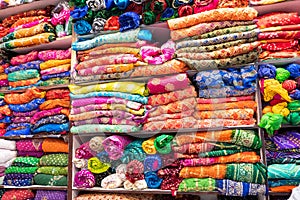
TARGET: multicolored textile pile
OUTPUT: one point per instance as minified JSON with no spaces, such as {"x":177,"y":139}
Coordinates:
{"x":108,"y":107}
{"x":35,"y":27}
{"x":216,"y":39}
{"x":8,"y":155}
{"x":283,"y":153}
{"x":279,"y":86}
{"x":5,"y":115}
{"x":226,"y":97}
{"x":279,"y":35}
{"x":43,"y":68}
{"x":203,"y":161}
{"x":173,"y":101}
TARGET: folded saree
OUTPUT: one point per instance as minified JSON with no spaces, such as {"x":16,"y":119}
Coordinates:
{"x":227,"y":91}
{"x":77,"y":103}
{"x":58,"y":94}
{"x":53,"y":63}
{"x":270,"y":45}
{"x":24,"y":84}
{"x":124,"y":95}
{"x":65,"y":80}
{"x":55,"y":119}
{"x":264,"y":2}
{"x":20,"y":176}
{"x":22,"y":170}
{"x":168,"y":83}
{"x":21,"y":194}
{"x":107,"y":120}
{"x":221,"y":14}
{"x":105,"y":113}
{"x":45,"y":113}
{"x":204,"y":28}
{"x":281,"y":28}
{"x":227,"y":106}
{"x":54,"y":54}
{"x":175,"y":107}
{"x":116,"y":50}
{"x":234,"y":188}
{"x":247,"y":138}
{"x":224,"y":31}
{"x":162,"y":117}
{"x":18,"y":182}
{"x":26,"y":161}
{"x":243,"y":157}
{"x":50,"y":77}
{"x":21,"y":19}
{"x":278,"y":19}
{"x":53,"y":170}
{"x":217,"y":40}
{"x":29,"y":145}
{"x":276,"y":183}
{"x":24,"y":114}
{"x":170,"y":67}
{"x":27,"y":96}
{"x":169,"y":124}
{"x":115,"y":196}
{"x":222,"y":53}
{"x":244,"y":172}
{"x":289,"y":53}
{"x":7,"y":155}
{"x":56,"y":70}
{"x":54,"y":103}
{"x":23,"y":75}
{"x":107,"y":60}
{"x":32,"y":105}
{"x":214,"y":47}
{"x":237,"y":114}
{"x":286,"y":140}
{"x":46,"y":179}
{"x":284,"y":188}
{"x":24,"y":66}
{"x":29,"y":41}
{"x":129,"y":87}
{"x":106,"y":69}
{"x":28,"y":32}
{"x":279,"y":35}
{"x":197,"y":184}
{"x":53,"y":145}
{"x":52,"y":128}
{"x":4,"y":110}
{"x":201,"y":65}
{"x":58,"y":159}
{"x":284,"y":171}
{"x":114,"y":76}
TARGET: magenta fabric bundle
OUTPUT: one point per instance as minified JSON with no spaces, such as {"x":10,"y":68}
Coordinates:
{"x":115,"y":145}
{"x":54,"y":54}
{"x":33,"y":145}
{"x":84,"y":179}
{"x":84,"y":151}
{"x":168,"y":84}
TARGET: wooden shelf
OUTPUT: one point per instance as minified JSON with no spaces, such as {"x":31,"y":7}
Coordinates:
{"x":12,"y":10}
{"x":35,"y":187}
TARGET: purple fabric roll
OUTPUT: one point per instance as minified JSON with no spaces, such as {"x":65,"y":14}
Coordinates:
{"x":84,"y":179}
{"x":24,"y":114}
{"x":287,"y":140}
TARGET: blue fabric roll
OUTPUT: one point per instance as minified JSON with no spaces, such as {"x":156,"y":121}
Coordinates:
{"x":128,"y":21}
{"x":152,"y":180}
{"x":25,"y":66}
{"x":60,"y":75}
{"x":152,"y":163}
{"x":52,"y":128}
{"x":18,"y":125}
{"x":32,"y":105}
{"x":79,"y":12}
{"x":266,"y":71}
{"x":25,"y":131}
{"x":5,"y":120}
{"x":294,"y":70}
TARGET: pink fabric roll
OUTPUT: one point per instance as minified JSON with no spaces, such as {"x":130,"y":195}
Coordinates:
{"x":168,"y":84}
{"x":32,"y":145}
{"x":21,"y":59}
{"x":54,"y":54}
{"x":115,"y":145}
{"x":84,"y":151}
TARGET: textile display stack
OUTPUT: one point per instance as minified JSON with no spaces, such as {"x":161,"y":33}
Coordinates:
{"x":5,"y":113}
{"x":4,"y":63}
{"x":279,"y":35}
{"x":35,"y":27}
{"x":8,"y":155}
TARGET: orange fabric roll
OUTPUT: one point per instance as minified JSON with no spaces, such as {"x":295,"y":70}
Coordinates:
{"x":53,"y":145}
{"x":215,"y":171}
{"x":27,"y":96}
{"x":4,"y":110}
{"x":54,"y":103}
{"x":284,"y":188}
{"x":226,"y":106}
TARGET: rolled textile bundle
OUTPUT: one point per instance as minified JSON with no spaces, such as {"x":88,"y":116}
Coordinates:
{"x":96,"y":144}
{"x":101,"y":176}
{"x":52,"y":145}
{"x":50,"y":194}
{"x":115,"y":145}
{"x":148,"y":146}
{"x":152,"y":180}
{"x":45,"y":179}
{"x":196,"y":184}
{"x":163,"y":144}
{"x":133,"y":151}
{"x":152,"y":163}
{"x":84,"y":151}
{"x":112,"y":181}
{"x":137,"y":185}
{"x":96,"y":166}
{"x":80,"y":163}
{"x":54,"y":160}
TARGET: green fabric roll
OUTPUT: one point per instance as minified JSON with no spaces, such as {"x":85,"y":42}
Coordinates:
{"x":246,"y":138}
{"x":197,"y":184}
{"x":26,"y":161}
{"x":224,"y":152}
{"x":246,"y":172}
{"x":45,"y":179}
{"x":23,"y":75}
{"x":163,"y":143}
{"x":54,"y":160}
{"x":294,"y":106}
{"x":96,"y":166}
{"x":55,"y":81}
{"x":20,"y":170}
{"x":52,"y":170}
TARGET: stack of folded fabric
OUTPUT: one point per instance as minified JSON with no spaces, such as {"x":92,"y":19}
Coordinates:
{"x":281,"y":95}
{"x":216,"y":39}
{"x":221,"y":160}
{"x":20,"y":194}
{"x":172,"y":100}
{"x":108,"y":107}
{"x":279,"y":35}
{"x":52,"y":117}
{"x":26,"y":29}
{"x":226,"y":97}
{"x":5,"y":115}
{"x":283,"y":153}
{"x":8,"y":155}
{"x":112,"y":58}
{"x":53,"y":169}
{"x":30,"y":147}
{"x":21,"y":172}
{"x":3,"y":76}
{"x":24,"y":105}
{"x":55,"y":67}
